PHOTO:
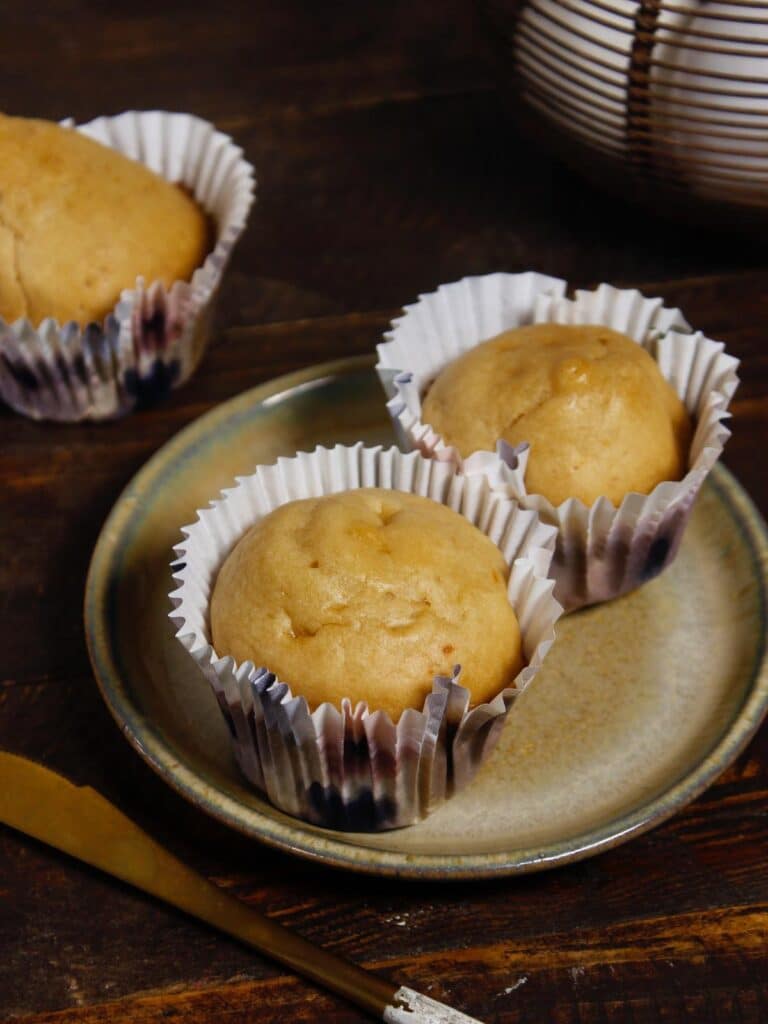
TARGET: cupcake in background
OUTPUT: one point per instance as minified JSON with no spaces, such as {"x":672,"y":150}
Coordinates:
{"x":113,"y":239}
{"x":602,"y":412}
{"x":366,"y":619}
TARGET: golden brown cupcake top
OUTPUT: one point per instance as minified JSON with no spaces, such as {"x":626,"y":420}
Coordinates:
{"x":598,"y":414}
{"x":79,"y":222}
{"x":368,"y":594}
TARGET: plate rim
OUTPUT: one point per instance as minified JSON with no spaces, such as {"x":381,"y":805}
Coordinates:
{"x":330,"y":848}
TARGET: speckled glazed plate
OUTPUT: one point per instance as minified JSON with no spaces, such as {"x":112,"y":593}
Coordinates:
{"x":641,"y":703}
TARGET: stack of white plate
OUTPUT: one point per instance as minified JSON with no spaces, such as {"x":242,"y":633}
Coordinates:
{"x":682,"y":93}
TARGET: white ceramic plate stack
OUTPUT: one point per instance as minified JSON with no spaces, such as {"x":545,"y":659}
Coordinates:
{"x":674,"y":93}
{"x":709,"y":90}
{"x":574,"y":69}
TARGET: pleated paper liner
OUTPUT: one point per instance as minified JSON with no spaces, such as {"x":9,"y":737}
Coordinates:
{"x":347,"y":767}
{"x":602,"y":551}
{"x":153,"y":339}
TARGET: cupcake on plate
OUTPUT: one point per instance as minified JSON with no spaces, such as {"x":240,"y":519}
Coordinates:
{"x":593,"y":406}
{"x":602,"y":412}
{"x":366,"y":619}
{"x":113,"y":238}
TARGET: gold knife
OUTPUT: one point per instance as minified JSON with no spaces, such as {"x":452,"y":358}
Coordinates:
{"x":82,"y":823}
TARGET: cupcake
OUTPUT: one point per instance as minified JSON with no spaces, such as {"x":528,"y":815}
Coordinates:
{"x":603,"y":413}
{"x":324,"y":588}
{"x":113,"y":238}
{"x":594,"y":407}
{"x":366,"y":619}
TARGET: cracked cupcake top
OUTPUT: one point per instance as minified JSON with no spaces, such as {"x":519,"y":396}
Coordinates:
{"x":79,"y":222}
{"x":593,"y":405}
{"x":368,"y":594}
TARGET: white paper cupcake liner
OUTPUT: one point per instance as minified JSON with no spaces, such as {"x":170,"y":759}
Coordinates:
{"x":346,"y":767}
{"x":602,"y":551}
{"x":153,"y":339}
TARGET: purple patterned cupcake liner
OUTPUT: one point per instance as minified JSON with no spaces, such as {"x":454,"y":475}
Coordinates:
{"x":602,"y":551}
{"x":152,"y":341}
{"x":347,"y":767}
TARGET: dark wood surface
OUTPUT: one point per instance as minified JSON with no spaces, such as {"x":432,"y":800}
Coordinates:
{"x":386,"y":165}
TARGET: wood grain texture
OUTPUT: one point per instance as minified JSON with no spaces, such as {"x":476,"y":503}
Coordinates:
{"x":385,"y":166}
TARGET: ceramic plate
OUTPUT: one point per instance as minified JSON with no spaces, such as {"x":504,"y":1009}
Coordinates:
{"x":640,"y":704}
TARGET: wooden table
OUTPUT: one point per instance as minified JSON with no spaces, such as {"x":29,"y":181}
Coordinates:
{"x":385,"y":166}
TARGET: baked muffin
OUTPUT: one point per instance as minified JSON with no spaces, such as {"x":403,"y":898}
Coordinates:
{"x":79,"y":222}
{"x":598,"y":414}
{"x":368,"y":594}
